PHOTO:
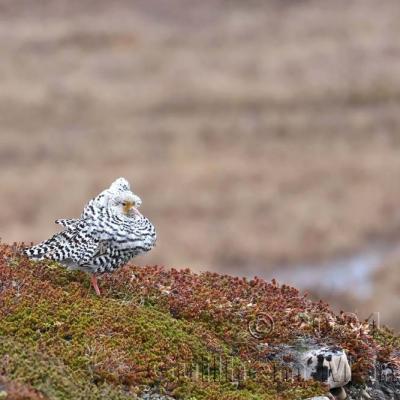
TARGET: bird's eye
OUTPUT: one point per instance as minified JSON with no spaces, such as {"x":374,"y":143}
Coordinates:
{"x":124,"y":203}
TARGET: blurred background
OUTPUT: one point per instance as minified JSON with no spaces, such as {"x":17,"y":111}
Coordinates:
{"x":263,"y":136}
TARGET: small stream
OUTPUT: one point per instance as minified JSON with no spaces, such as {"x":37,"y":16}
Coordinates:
{"x":354,"y":272}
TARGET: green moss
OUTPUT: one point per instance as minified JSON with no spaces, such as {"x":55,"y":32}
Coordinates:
{"x":50,"y":376}
{"x":386,"y":337}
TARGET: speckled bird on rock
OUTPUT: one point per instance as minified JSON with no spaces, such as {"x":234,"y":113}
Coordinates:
{"x":109,"y":232}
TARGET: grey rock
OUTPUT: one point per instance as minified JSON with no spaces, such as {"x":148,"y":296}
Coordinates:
{"x":385,"y":391}
{"x":328,"y":365}
{"x":151,"y":394}
{"x":155,"y":396}
{"x":339,"y":393}
{"x":365,"y":395}
{"x":310,"y":360}
{"x":318,"y":398}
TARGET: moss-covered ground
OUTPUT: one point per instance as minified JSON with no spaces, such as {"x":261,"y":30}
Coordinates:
{"x":179,"y":333}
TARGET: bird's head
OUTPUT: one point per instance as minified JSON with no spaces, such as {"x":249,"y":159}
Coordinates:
{"x":120,"y":185}
{"x":126,"y":203}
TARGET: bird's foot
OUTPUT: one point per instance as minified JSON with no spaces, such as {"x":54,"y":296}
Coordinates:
{"x":94,"y":284}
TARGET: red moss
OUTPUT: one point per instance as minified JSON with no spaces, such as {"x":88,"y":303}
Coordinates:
{"x":18,"y":391}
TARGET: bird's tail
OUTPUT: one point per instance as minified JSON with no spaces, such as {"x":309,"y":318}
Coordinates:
{"x":56,"y":248}
{"x":69,"y":246}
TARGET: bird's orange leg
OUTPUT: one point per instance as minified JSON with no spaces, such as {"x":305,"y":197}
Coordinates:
{"x":95,"y":286}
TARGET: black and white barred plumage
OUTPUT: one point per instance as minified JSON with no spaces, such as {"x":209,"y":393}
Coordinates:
{"x":108,"y":234}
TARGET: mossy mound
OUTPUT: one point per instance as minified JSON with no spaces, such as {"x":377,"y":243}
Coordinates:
{"x":178,"y":332}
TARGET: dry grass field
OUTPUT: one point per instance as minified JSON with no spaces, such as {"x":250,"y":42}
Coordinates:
{"x":259,"y":133}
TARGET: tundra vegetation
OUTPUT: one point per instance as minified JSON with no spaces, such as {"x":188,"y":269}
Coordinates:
{"x":58,"y":340}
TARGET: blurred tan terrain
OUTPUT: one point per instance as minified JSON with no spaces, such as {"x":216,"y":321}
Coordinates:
{"x":259,"y":134}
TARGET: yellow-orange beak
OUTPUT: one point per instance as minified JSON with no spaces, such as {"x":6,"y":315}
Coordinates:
{"x":128,"y":206}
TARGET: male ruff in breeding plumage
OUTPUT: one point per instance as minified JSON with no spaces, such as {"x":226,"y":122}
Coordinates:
{"x":110,"y":232}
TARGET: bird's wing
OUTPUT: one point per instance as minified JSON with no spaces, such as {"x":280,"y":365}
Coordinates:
{"x":122,"y":232}
{"x":67,"y":222}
